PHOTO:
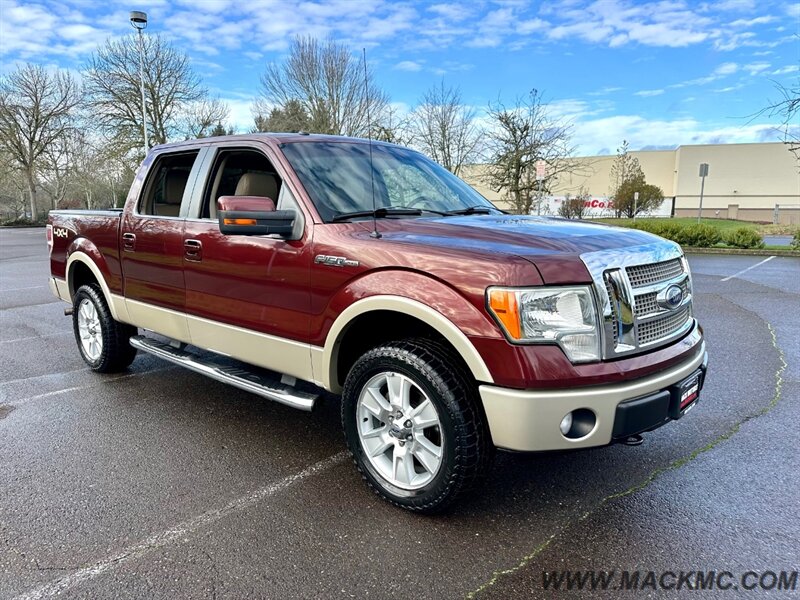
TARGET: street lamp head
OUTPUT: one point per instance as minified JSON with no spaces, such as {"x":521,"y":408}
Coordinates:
{"x":138,"y":19}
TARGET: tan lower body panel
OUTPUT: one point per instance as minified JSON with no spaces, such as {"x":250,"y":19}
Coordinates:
{"x":60,"y":289}
{"x":270,"y":352}
{"x":528,"y":421}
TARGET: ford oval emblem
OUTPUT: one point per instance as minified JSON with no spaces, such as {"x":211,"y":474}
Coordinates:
{"x":671,"y":297}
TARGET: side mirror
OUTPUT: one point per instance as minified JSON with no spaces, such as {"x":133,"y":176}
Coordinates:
{"x":253,"y":215}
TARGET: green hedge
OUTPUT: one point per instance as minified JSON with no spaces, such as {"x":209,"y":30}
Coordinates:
{"x":796,"y":240}
{"x":698,"y":235}
{"x":744,"y":237}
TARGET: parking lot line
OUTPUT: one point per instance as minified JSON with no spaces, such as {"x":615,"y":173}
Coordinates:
{"x":32,"y":377}
{"x":100,"y":381}
{"x":160,"y":540}
{"x":743,"y":271}
{"x":36,"y":337}
{"x":31,"y":287}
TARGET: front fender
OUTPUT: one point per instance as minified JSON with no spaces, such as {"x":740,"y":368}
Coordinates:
{"x":439,"y":306}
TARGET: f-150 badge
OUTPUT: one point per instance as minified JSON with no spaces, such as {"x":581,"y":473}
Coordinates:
{"x":334,"y":261}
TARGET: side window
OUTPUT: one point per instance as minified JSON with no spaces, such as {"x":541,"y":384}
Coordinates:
{"x":166,"y":184}
{"x":240,"y":173}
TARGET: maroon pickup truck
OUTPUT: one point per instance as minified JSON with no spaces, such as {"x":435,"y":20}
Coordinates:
{"x":287,"y":265}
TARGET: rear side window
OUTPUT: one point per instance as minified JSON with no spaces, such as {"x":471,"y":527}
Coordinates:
{"x":166,"y":185}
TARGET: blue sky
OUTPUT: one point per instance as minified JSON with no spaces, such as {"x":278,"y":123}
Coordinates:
{"x":658,"y":73}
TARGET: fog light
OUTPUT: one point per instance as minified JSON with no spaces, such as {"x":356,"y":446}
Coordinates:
{"x":578,"y":424}
{"x":566,"y":424}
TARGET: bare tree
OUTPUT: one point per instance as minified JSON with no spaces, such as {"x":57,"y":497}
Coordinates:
{"x":626,"y":172}
{"x":328,"y":81}
{"x":444,"y":128}
{"x":518,"y":137}
{"x":787,"y":108}
{"x":13,"y":189}
{"x":113,"y":85}
{"x":202,"y":117}
{"x":574,"y":207}
{"x":36,"y":110}
{"x":291,"y":117}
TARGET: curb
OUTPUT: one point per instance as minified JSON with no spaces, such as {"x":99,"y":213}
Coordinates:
{"x":742,"y":251}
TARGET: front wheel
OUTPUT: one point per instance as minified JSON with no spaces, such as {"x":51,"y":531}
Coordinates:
{"x":103,"y":342}
{"x":413,"y":424}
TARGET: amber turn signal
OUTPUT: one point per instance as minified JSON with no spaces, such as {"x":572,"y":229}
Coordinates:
{"x":240,"y":222}
{"x":504,"y":306}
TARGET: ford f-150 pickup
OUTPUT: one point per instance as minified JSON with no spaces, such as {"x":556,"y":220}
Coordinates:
{"x":288,"y":265}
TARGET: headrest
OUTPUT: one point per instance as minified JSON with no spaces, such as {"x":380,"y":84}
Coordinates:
{"x":257,"y":184}
{"x":176,"y":183}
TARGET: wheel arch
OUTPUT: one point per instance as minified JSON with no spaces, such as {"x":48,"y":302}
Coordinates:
{"x":82,"y":269}
{"x":357,"y":328}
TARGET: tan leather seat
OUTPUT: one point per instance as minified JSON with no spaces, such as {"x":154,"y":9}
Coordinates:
{"x":258,"y":184}
{"x":173,"y":194}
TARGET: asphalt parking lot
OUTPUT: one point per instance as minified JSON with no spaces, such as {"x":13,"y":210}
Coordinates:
{"x":160,"y":483}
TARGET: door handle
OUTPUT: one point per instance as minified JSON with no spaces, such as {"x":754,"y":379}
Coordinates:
{"x":193,"y":250}
{"x":129,"y":242}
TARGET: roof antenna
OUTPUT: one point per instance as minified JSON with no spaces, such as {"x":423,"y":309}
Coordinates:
{"x":375,"y":233}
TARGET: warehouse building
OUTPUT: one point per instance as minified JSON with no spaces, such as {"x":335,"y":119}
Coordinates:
{"x":748,"y":182}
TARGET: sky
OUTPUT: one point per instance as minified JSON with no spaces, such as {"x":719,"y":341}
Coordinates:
{"x":657,"y":73}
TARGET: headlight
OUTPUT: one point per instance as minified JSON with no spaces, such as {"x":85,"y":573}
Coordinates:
{"x":562,"y":315}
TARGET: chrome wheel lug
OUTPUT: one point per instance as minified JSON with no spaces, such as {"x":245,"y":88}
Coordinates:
{"x":408,"y":423}
{"x":409,"y":437}
{"x":402,"y":443}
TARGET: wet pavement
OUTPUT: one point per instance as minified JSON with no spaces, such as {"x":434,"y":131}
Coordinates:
{"x":160,"y":483}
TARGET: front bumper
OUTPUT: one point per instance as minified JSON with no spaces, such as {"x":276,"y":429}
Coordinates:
{"x":528,"y":421}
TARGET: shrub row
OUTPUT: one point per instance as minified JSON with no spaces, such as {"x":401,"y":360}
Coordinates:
{"x":701,"y":235}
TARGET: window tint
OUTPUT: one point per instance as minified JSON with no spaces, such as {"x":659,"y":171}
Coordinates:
{"x":166,"y":185}
{"x":239,"y":173}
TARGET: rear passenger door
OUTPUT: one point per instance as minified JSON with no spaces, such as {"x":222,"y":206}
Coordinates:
{"x":151,"y":244}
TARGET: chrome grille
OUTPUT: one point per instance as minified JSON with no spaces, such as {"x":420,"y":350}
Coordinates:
{"x":650,"y":323}
{"x":663,"y":327}
{"x":642,"y":275}
{"x":614,"y":315}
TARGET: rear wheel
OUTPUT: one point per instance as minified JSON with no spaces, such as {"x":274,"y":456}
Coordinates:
{"x":413,"y":424}
{"x":103,"y":342}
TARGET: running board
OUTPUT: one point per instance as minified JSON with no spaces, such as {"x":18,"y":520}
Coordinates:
{"x":237,"y":375}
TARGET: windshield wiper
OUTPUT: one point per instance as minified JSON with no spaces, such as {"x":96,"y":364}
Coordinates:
{"x":378,"y":213}
{"x":472,"y":210}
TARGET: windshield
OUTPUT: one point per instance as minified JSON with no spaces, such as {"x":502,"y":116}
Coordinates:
{"x":336,"y":176}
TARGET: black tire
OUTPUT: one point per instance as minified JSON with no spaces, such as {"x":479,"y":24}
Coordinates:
{"x":116,"y":352}
{"x":465,"y":440}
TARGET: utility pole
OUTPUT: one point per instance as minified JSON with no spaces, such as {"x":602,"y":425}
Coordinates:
{"x":703,"y":175}
{"x":139,"y":22}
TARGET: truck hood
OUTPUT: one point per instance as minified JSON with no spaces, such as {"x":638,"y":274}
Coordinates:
{"x":553,"y":245}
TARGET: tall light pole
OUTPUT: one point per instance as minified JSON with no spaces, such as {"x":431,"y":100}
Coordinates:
{"x":703,"y":175}
{"x":139,"y":22}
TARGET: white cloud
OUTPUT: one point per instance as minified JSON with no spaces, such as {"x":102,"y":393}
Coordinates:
{"x":785,"y":70}
{"x":755,"y":21}
{"x":594,"y":136}
{"x":726,"y":68}
{"x":648,"y":93}
{"x":604,"y":91}
{"x":756,"y":68}
{"x":408,"y":65}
